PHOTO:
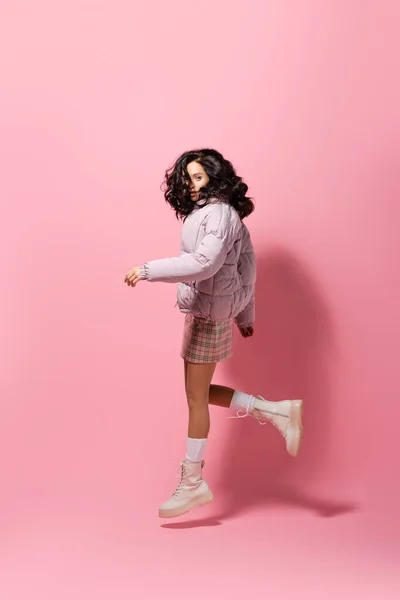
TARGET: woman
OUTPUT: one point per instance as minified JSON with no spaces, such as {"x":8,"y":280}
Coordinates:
{"x":216,"y":273}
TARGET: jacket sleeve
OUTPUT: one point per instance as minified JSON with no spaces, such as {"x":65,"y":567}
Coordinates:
{"x":247,"y":316}
{"x":201,"y":264}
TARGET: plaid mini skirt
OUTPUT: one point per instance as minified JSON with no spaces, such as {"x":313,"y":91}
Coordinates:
{"x":206,"y":341}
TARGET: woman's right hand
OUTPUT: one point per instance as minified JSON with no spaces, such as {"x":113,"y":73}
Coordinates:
{"x":133,"y":277}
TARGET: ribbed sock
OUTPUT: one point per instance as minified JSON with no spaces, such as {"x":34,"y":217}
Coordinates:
{"x":195,"y":449}
{"x":243,"y":402}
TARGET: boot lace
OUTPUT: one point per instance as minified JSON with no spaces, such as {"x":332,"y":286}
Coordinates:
{"x":182,"y":478}
{"x":258,"y":416}
{"x":241,"y":414}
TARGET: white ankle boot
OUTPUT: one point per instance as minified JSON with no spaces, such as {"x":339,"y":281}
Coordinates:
{"x":286,"y":416}
{"x":192,"y":491}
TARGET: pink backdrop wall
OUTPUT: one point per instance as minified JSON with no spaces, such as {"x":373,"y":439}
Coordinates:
{"x":97,"y":99}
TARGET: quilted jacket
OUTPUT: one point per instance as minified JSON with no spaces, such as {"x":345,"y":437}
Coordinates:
{"x":216,"y":269}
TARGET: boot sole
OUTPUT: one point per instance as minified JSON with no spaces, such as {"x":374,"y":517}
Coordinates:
{"x":296,"y":413}
{"x":175,"y":512}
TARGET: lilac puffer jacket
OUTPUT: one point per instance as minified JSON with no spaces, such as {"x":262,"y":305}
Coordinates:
{"x":216,"y":270}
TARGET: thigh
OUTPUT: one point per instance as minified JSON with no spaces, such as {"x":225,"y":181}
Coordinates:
{"x":198,"y":379}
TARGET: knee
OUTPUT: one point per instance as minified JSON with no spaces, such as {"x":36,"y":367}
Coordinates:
{"x":196,"y":400}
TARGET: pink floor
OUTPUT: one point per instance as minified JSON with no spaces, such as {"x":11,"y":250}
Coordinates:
{"x":289,"y":547}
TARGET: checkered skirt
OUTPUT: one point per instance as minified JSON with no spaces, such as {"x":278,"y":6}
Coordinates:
{"x":206,"y":341}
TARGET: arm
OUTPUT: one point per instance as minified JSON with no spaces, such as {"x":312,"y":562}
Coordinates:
{"x":201,"y":264}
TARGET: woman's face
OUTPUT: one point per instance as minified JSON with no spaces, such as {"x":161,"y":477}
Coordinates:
{"x":198,"y":179}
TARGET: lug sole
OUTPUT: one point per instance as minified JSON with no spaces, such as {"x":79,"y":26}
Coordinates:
{"x":178,"y":512}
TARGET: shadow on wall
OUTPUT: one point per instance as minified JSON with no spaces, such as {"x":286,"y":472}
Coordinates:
{"x":288,"y":357}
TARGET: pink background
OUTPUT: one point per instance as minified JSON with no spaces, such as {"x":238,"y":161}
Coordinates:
{"x":97,"y":99}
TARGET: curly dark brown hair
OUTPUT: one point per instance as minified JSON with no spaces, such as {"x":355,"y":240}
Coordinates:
{"x":224,"y":184}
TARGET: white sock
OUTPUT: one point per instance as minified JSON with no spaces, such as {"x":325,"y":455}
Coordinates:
{"x":242,"y":401}
{"x":195,"y":449}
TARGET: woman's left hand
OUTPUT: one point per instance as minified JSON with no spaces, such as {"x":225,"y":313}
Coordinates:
{"x":133,"y":277}
{"x":246,"y":331}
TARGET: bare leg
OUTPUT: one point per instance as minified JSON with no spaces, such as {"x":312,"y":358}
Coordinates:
{"x":198,"y":379}
{"x":220,"y":396}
